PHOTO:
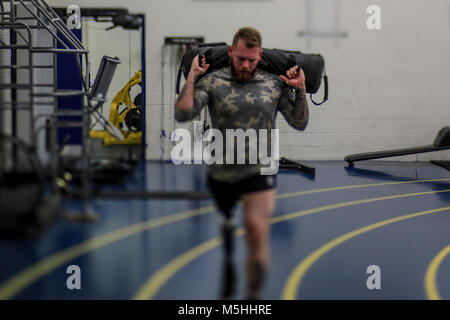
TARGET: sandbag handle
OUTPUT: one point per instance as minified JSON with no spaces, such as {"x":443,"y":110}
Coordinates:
{"x":180,"y":70}
{"x":178,"y":80}
{"x":325,"y":94}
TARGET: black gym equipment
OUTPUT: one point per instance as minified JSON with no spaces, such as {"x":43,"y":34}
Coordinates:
{"x":443,"y":164}
{"x":441,"y":142}
{"x":133,"y":119}
{"x":295,"y":165}
{"x":97,"y":95}
{"x":27,"y":208}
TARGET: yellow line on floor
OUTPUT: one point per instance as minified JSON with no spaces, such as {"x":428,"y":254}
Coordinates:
{"x":300,"y":193}
{"x":157,"y":280}
{"x":12,"y":286}
{"x":164,"y":274}
{"x":431,"y":290}
{"x":290,"y":289}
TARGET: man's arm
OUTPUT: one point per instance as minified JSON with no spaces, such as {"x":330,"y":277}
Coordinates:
{"x":296,"y":112}
{"x":186,"y":106}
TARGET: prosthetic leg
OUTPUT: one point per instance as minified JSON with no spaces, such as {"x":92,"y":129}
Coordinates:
{"x":228,"y":290}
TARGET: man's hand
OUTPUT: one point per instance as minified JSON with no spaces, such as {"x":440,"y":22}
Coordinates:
{"x":199,"y":69}
{"x":185,"y":100}
{"x":294,"y":78}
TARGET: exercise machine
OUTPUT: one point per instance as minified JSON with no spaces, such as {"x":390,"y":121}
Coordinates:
{"x":441,"y":142}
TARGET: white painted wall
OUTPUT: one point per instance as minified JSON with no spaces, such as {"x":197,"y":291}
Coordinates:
{"x":389,"y":88}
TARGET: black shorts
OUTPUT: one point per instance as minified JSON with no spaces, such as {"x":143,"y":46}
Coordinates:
{"x":227,"y":194}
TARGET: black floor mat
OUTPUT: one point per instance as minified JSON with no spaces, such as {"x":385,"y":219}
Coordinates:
{"x":443,"y":164}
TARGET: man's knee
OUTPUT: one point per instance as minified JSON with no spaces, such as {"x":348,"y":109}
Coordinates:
{"x":260,"y":204}
{"x":257,"y":231}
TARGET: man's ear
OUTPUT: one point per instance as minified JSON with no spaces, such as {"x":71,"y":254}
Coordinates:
{"x":260,"y":54}
{"x":230,"y":51}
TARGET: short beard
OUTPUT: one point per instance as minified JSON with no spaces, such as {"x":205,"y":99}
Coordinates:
{"x":241,"y":76}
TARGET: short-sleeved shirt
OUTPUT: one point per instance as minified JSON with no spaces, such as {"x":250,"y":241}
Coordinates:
{"x":253,"y":104}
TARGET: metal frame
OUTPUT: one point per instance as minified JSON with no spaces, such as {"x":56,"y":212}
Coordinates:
{"x":43,"y":17}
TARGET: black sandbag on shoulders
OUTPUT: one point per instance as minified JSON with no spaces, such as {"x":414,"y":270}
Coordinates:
{"x":279,"y":61}
{"x":216,"y":55}
{"x":274,"y":61}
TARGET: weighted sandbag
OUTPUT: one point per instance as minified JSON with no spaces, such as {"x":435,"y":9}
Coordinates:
{"x":279,"y":61}
{"x":273,"y":60}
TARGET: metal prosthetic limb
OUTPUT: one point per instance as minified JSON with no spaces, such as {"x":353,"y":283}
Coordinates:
{"x":229,"y":273}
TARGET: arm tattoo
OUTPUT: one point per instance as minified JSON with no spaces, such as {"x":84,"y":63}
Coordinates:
{"x":300,"y":104}
{"x":182,"y":93}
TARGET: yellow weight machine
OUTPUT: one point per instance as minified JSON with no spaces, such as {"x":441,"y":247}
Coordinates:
{"x":122,"y":106}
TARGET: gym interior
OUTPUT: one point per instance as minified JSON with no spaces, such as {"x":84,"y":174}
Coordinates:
{"x":93,"y":206}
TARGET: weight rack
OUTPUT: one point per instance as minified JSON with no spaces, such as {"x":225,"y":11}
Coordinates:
{"x":27,"y":21}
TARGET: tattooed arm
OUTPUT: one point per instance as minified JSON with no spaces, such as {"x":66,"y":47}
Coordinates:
{"x":189,"y":102}
{"x":294,"y":109}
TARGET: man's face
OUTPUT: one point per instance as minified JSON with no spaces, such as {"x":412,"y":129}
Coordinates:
{"x":244,"y":60}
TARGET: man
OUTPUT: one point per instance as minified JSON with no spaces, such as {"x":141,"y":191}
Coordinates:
{"x":243,"y":97}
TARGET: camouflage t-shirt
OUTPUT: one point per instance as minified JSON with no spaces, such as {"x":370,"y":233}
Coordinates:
{"x":244,"y":105}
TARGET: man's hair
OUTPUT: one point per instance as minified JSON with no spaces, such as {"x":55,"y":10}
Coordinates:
{"x":251,"y":36}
